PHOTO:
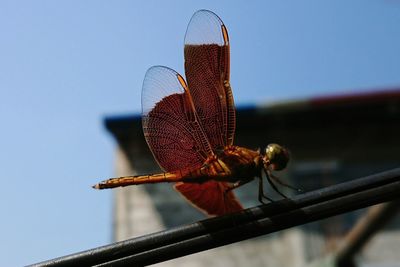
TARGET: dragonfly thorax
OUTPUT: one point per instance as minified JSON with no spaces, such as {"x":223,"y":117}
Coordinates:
{"x":276,"y":157}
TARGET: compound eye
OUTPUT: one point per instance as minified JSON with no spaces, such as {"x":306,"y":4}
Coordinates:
{"x":278,"y":156}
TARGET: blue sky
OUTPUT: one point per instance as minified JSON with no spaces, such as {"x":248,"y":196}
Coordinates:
{"x":64,"y":65}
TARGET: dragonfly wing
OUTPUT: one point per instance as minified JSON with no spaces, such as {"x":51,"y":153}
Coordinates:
{"x":207,"y":73}
{"x":170,"y":123}
{"x":210,"y":197}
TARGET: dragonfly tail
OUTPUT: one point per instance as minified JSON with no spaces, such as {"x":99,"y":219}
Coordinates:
{"x":139,"y":179}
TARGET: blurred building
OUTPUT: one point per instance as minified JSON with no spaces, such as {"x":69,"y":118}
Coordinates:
{"x":331,"y":139}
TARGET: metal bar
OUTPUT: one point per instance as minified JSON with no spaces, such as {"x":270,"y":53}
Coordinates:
{"x":263,"y":226}
{"x":375,"y":218}
{"x":249,"y":223}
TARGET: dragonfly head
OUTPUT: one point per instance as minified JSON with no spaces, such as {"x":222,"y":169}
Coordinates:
{"x":276,"y":157}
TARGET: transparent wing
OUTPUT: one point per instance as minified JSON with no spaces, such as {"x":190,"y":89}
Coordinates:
{"x":170,"y":123}
{"x":207,"y":73}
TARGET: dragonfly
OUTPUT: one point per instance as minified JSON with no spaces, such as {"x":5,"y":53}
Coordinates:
{"x":190,"y":126}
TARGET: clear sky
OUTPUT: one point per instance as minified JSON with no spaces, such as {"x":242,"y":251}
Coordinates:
{"x":64,"y":65}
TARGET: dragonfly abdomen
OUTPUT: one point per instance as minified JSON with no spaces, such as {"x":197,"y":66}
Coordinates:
{"x":199,"y":175}
{"x":139,"y":179}
{"x":234,"y":164}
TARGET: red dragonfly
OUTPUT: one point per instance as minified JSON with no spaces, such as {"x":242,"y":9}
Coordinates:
{"x":190,"y":127}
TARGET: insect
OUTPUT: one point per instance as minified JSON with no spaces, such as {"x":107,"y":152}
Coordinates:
{"x":190,"y":127}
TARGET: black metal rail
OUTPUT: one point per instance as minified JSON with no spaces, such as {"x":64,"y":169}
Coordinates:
{"x":219,"y":231}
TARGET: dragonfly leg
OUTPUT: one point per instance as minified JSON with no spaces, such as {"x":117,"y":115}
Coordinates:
{"x":261,"y":195}
{"x":273,"y":185}
{"x":279,"y":181}
{"x":237,"y":184}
